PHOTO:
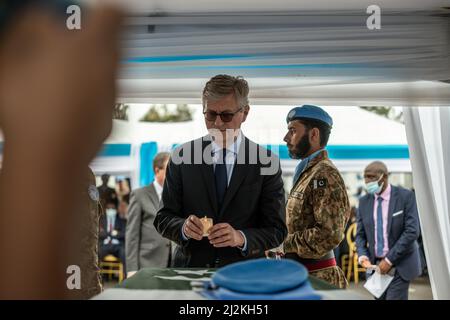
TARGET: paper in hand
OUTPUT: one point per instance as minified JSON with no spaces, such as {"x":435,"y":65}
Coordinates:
{"x":377,"y":283}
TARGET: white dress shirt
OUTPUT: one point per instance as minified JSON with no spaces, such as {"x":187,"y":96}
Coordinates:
{"x":158,"y":188}
{"x":230,"y":157}
{"x":230,"y":160}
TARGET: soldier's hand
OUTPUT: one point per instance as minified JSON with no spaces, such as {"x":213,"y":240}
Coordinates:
{"x":131,"y":273}
{"x":366,"y":263}
{"x":193,"y":228}
{"x":224,"y":235}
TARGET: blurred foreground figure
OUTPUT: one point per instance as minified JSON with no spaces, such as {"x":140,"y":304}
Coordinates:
{"x":57,"y":92}
{"x":88,"y":213}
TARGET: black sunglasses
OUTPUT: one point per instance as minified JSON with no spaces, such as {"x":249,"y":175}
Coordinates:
{"x":224,"y":116}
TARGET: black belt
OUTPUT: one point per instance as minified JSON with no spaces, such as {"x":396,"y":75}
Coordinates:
{"x":294,"y":256}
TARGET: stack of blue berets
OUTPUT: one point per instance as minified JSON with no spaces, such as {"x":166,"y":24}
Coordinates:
{"x":261,"y":279}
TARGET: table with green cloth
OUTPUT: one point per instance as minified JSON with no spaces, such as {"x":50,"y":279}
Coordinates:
{"x":185,"y":283}
{"x":180,"y":279}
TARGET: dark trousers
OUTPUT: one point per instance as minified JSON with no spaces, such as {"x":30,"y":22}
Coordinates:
{"x":117,"y":250}
{"x":397,"y":289}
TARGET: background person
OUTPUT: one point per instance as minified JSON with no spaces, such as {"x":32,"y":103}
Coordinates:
{"x":387,"y":231}
{"x":145,"y":247}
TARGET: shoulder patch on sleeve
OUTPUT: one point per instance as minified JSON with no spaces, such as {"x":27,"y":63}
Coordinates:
{"x":320,"y":183}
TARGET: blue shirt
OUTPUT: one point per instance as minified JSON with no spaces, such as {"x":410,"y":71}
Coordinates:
{"x":303,"y":164}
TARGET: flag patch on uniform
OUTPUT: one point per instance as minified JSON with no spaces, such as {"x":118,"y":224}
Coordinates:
{"x":297,"y":195}
{"x":320,"y":183}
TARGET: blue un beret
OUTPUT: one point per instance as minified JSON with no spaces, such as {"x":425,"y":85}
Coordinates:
{"x":309,"y":112}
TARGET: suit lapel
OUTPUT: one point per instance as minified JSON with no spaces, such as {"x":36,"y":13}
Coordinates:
{"x":392,"y":204}
{"x":240,"y":171}
{"x":207,"y":171}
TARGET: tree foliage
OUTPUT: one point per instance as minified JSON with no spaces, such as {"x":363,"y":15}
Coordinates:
{"x":161,"y":113}
{"x":120,"y":111}
{"x":387,"y":112}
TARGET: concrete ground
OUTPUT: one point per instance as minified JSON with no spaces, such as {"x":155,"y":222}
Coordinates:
{"x":420,"y":289}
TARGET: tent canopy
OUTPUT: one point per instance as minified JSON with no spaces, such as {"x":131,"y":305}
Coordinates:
{"x":289,"y":51}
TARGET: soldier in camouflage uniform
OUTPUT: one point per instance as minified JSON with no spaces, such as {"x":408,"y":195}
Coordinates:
{"x":318,"y":208}
{"x":88,"y":212}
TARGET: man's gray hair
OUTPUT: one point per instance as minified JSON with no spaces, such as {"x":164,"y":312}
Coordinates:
{"x":222,"y":85}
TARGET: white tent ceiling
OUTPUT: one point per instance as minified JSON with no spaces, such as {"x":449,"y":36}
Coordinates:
{"x":289,"y":51}
{"x":285,"y":91}
{"x":207,"y":6}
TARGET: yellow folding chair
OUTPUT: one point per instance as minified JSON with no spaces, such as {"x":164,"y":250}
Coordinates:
{"x":111,"y":265}
{"x":350,"y":263}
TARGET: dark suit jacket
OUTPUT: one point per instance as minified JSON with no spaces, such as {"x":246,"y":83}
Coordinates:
{"x":403,"y":231}
{"x":119,"y":225}
{"x":253,"y":203}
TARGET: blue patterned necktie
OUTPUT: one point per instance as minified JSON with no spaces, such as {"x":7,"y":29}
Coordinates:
{"x":221,"y":178}
{"x":380,"y":238}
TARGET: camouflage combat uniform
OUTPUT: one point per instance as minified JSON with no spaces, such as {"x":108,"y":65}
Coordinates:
{"x":89,"y":211}
{"x":316,"y":215}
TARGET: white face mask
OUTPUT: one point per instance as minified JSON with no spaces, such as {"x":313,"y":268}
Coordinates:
{"x":111,"y":213}
{"x":373,"y":187}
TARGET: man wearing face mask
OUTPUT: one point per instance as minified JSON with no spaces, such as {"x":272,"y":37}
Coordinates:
{"x":387,"y":232}
{"x":318,"y":208}
{"x":112,"y":233}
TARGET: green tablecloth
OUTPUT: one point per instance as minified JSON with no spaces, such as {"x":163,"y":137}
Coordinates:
{"x":180,"y":279}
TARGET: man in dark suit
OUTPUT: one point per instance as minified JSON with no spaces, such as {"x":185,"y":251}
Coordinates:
{"x":387,"y":231}
{"x":145,"y":247}
{"x":112,"y":233}
{"x":225,"y":177}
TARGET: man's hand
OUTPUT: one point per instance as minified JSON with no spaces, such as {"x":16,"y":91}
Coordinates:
{"x":193,"y":228}
{"x":365,"y":263}
{"x":384,"y":266}
{"x":131,"y":273}
{"x":223,"y":235}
